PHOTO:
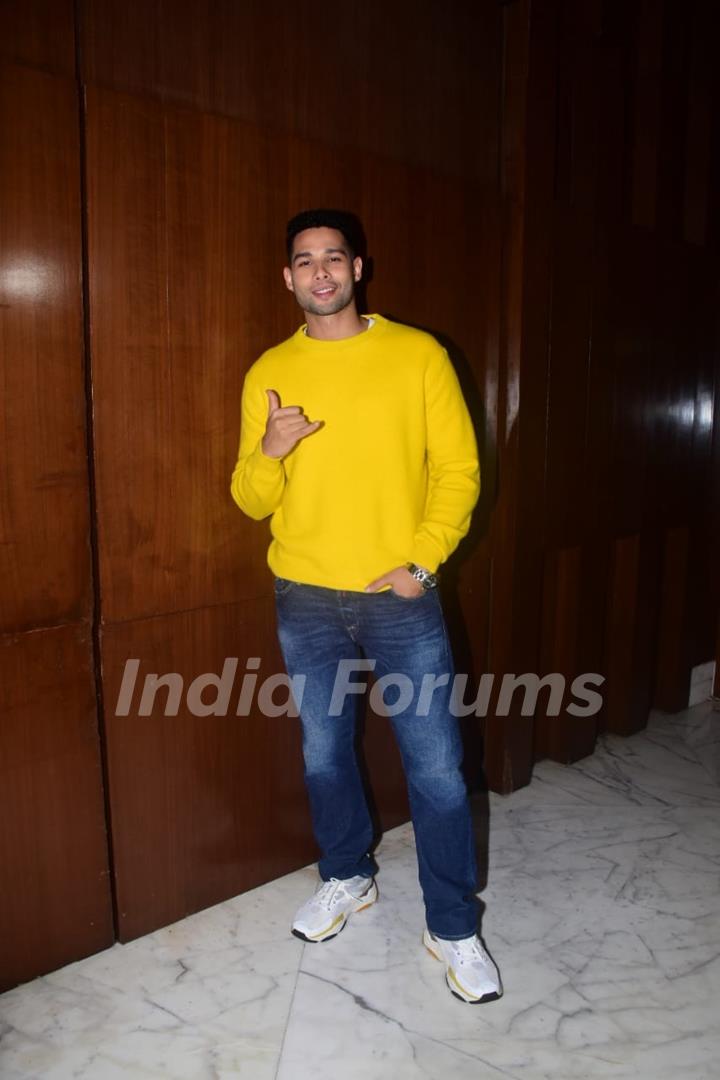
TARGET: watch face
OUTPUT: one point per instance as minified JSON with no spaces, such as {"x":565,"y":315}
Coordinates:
{"x":427,"y":579}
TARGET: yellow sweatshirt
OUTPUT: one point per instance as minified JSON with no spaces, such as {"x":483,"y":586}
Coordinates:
{"x":392,"y":475}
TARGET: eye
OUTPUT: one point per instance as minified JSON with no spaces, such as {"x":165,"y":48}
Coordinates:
{"x":335,"y":258}
{"x":303,"y":262}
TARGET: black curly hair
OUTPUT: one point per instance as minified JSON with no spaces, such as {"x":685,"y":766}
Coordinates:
{"x":342,"y":220}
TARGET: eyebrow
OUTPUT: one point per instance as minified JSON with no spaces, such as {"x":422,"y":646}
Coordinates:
{"x":328,"y":251}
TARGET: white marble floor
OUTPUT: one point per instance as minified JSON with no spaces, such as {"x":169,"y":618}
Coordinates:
{"x":603,"y":912}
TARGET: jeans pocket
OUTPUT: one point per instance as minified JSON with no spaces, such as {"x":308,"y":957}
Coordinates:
{"x":283,"y":586}
{"x":409,"y":599}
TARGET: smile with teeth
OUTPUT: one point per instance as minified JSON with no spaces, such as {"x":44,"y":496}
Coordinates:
{"x":325,"y":290}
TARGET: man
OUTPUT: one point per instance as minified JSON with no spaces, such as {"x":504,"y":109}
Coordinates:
{"x":356,"y":439}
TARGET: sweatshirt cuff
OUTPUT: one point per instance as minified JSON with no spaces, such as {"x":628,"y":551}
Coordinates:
{"x":268,"y":466}
{"x":425,"y":553}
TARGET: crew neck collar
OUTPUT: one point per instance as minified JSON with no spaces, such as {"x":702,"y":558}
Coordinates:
{"x":376,"y":327}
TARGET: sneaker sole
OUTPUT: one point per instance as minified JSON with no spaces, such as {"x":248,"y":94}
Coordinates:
{"x":455,"y":987}
{"x":372,"y":892}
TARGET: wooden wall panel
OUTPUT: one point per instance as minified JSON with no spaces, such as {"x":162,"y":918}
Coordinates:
{"x":516,"y":586}
{"x":615,"y":359}
{"x":703,"y":333}
{"x":568,"y":404}
{"x":55,"y":903}
{"x":206,"y":806}
{"x":672,"y":670}
{"x":696,"y":160}
{"x":404,"y":80}
{"x":44,"y":517}
{"x":646,"y":97}
{"x":553,"y":735}
{"x":677,"y":17}
{"x":173,"y":330}
{"x":572,"y":644}
{"x":683,"y":481}
{"x":202,"y":807}
{"x":38,"y":33}
{"x":632,"y":619}
{"x":572,"y":609}
{"x":55,"y":899}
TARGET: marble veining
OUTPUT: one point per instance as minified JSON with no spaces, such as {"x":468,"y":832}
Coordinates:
{"x":602,"y":909}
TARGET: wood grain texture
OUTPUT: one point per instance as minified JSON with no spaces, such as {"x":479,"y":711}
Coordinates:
{"x":207,"y":806}
{"x":696,"y":160}
{"x":401,"y":80}
{"x":633,"y":605}
{"x":55,"y":899}
{"x":611,"y":362}
{"x":172,"y":336}
{"x":672,"y":668}
{"x":44,"y":512}
{"x":55,"y":904}
{"x":202,"y":807}
{"x":38,"y":33}
{"x":565,"y":736}
{"x":516,"y":590}
{"x":646,"y":115}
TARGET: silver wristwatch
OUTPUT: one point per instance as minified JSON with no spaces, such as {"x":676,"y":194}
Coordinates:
{"x":426,"y":579}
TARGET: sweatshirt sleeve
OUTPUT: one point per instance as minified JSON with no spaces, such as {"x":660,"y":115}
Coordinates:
{"x":258,"y":481}
{"x":452,"y":463}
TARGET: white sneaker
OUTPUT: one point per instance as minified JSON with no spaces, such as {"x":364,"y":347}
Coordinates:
{"x":470,"y":971}
{"x":324,"y":915}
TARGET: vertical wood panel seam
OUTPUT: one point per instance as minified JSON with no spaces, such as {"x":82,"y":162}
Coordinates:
{"x":90,"y":452}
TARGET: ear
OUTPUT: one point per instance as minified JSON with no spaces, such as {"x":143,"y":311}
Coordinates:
{"x":357,"y":268}
{"x":287,"y":274}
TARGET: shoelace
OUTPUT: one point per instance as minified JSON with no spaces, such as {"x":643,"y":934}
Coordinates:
{"x":471,"y":950}
{"x":326,"y":893}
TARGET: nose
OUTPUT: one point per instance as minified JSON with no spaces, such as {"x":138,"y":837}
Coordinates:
{"x":320,"y":272}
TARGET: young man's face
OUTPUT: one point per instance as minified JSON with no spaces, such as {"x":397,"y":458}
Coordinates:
{"x":321,"y":273}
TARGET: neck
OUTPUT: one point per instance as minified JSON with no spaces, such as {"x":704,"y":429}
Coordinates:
{"x":343,"y":324}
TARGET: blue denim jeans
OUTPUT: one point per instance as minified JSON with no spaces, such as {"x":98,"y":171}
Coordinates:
{"x":320,"y":628}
